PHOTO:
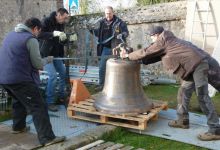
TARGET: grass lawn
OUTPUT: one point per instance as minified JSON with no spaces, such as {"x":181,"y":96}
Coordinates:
{"x":169,"y":93}
{"x":121,"y":135}
{"x":5,"y":116}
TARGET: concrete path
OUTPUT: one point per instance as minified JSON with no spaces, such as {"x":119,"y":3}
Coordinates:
{"x":27,"y":141}
{"x":23,"y":141}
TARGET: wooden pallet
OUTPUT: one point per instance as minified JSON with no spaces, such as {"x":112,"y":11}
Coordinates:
{"x":85,"y":110}
{"x":102,"y":145}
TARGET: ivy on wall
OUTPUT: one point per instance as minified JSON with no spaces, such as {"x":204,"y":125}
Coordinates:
{"x":84,"y":5}
{"x":150,"y":2}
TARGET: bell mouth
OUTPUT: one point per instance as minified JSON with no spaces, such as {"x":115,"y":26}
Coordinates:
{"x":122,"y":108}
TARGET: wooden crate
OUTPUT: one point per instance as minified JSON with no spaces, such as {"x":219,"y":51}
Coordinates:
{"x":102,"y":145}
{"x":85,"y":110}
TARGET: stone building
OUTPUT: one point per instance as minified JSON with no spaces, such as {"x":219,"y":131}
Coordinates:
{"x":16,"y":11}
{"x":175,"y":16}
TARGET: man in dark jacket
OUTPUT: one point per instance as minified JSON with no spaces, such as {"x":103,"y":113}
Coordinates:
{"x":193,"y":66}
{"x":51,"y":43}
{"x":20,"y":61}
{"x":111,"y":32}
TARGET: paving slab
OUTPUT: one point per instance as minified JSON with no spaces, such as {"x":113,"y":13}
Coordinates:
{"x":198,"y":125}
{"x":61,"y":124}
{"x":23,"y":141}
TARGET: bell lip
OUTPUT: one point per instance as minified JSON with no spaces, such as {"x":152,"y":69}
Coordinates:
{"x":117,"y":112}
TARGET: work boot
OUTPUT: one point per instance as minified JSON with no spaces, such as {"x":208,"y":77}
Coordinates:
{"x":25,"y":129}
{"x":52,"y":107}
{"x":179,"y":124}
{"x":55,"y":140}
{"x":207,"y":136}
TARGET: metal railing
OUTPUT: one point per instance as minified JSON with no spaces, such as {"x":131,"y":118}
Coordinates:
{"x":4,"y":101}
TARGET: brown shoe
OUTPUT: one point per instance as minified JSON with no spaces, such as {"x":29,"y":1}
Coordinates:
{"x":207,"y":136}
{"x":179,"y":124}
{"x":55,"y":140}
{"x":26,"y":129}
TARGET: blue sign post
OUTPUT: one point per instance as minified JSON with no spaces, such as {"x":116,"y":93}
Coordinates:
{"x":72,"y":6}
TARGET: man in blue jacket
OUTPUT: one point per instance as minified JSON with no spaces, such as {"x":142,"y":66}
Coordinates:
{"x":20,"y":61}
{"x":111,"y":32}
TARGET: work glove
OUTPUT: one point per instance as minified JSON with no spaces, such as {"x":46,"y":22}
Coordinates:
{"x":119,"y":36}
{"x":61,"y":35}
{"x":73,"y":37}
{"x":49,"y":59}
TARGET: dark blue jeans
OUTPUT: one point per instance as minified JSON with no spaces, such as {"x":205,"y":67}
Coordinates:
{"x":102,"y":65}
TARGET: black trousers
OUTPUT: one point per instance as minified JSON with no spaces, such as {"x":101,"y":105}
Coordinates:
{"x":27,"y":98}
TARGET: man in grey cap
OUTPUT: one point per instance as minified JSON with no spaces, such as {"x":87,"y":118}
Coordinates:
{"x":194,"y":66}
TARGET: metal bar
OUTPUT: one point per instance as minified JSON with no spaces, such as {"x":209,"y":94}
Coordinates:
{"x":78,"y":58}
{"x":65,"y":58}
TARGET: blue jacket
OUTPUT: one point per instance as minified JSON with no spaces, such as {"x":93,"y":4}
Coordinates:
{"x":15,"y":60}
{"x":118,"y":27}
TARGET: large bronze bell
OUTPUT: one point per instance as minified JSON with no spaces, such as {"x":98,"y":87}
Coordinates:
{"x":122,"y":92}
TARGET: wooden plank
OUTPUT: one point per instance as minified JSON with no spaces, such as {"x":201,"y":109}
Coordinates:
{"x":86,"y":107}
{"x":91,"y":100}
{"x":70,"y":113}
{"x":103,"y":146}
{"x":142,"y":125}
{"x":127,"y":148}
{"x":91,"y":145}
{"x":115,"y":147}
{"x":126,"y":125}
{"x":86,"y":118}
{"x":86,"y":103}
{"x":133,"y":121}
{"x":108,"y":115}
{"x":155,"y":117}
{"x":103,"y":119}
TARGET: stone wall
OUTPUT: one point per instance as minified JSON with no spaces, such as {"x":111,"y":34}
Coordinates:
{"x":16,"y":11}
{"x":170,"y":15}
{"x":94,"y":6}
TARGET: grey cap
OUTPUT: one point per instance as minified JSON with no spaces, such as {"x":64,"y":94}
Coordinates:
{"x":155,"y":30}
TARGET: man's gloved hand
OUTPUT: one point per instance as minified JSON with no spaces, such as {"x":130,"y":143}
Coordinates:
{"x":61,"y":35}
{"x":49,"y":59}
{"x":119,"y":36}
{"x":73,"y":38}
